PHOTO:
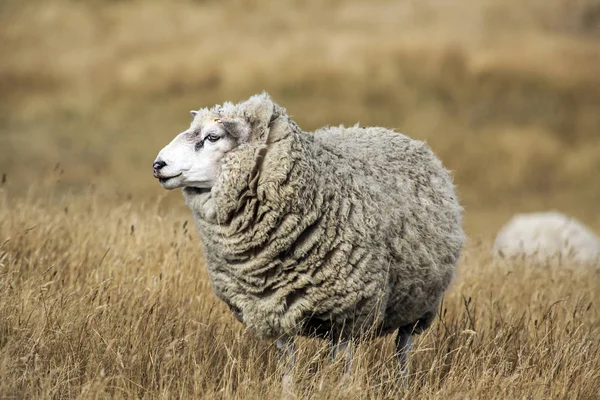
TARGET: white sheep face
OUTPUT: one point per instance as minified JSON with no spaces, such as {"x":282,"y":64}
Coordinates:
{"x":193,"y":158}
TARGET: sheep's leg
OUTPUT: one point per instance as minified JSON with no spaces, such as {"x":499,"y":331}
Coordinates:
{"x":345,"y":347}
{"x":403,"y":348}
{"x":287,"y":355}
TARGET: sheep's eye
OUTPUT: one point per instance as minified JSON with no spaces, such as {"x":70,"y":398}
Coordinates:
{"x":213,"y":138}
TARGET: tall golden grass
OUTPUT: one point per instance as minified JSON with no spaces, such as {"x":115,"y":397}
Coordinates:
{"x":103,"y":291}
{"x":105,"y":298}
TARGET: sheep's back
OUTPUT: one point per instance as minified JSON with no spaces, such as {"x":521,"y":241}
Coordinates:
{"x":546,"y":237}
{"x":415,"y":211}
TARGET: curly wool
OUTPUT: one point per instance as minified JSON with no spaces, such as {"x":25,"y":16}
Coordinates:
{"x":343,"y":231}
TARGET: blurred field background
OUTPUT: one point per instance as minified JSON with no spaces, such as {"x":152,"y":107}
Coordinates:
{"x":102,"y":293}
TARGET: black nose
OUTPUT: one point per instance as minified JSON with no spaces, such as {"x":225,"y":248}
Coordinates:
{"x":157,"y":166}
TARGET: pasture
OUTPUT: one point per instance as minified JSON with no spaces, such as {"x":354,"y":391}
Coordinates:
{"x":103,"y":291}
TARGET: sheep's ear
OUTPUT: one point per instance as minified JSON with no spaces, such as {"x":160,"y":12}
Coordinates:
{"x":238,"y":128}
{"x":193,"y":113}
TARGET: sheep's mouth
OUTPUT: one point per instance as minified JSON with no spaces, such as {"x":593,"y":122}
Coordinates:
{"x":166,"y":178}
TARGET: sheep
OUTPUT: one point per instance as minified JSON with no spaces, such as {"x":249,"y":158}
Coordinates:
{"x":341,"y":234}
{"x":546,"y":236}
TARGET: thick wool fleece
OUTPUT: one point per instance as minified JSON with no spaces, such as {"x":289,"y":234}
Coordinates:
{"x":344,"y":231}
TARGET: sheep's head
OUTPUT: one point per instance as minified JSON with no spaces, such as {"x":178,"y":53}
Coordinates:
{"x":194,"y":157}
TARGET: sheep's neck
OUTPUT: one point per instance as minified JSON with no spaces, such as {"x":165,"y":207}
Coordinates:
{"x":268,"y":224}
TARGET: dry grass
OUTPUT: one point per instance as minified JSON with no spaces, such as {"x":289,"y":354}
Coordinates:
{"x":103,"y":298}
{"x":103,"y":293}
